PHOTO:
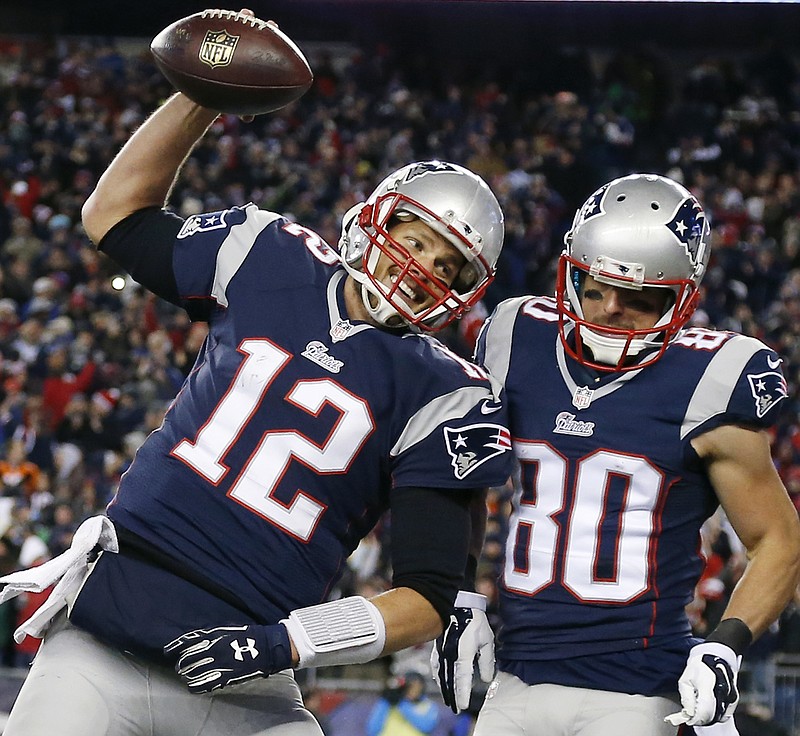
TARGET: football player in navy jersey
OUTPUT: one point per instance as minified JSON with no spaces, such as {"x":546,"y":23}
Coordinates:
{"x":317,"y":402}
{"x":629,"y":429}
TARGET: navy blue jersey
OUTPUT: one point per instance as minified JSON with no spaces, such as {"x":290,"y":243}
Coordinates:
{"x":604,"y":547}
{"x":283,"y":446}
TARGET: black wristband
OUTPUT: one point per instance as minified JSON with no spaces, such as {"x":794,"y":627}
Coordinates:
{"x":732,"y":632}
{"x":470,"y":573}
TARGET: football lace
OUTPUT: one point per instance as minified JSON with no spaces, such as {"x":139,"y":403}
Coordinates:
{"x":235,"y":16}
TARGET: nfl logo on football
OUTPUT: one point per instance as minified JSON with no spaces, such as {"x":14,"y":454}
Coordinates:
{"x":582,"y":398}
{"x":217,"y":48}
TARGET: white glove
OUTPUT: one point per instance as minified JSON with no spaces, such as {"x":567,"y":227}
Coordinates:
{"x":708,"y":686}
{"x":468,"y":637}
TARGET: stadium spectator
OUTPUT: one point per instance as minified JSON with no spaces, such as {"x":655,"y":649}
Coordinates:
{"x":404,"y":709}
{"x":18,"y":475}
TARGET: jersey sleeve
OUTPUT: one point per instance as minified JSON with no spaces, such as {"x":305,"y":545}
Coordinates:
{"x":742,"y":384}
{"x":493,"y":347}
{"x":758,"y":396}
{"x":458,"y":437}
{"x":209,"y":250}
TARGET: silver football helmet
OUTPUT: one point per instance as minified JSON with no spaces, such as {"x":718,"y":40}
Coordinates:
{"x":638,"y":231}
{"x":453,"y":201}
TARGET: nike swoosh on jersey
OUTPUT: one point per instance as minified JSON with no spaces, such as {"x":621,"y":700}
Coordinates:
{"x":490,"y":407}
{"x":774,"y":363}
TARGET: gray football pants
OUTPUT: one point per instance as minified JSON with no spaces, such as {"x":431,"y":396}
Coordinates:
{"x":80,"y":687}
{"x":513,"y":708}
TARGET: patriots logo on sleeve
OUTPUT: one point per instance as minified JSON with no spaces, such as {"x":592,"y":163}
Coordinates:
{"x":471,"y":446}
{"x":767,"y":389}
{"x":202,"y":223}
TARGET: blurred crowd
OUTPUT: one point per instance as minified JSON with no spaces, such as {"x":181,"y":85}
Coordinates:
{"x":89,"y":361}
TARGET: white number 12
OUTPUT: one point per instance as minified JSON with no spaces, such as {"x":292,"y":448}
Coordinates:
{"x":257,"y":482}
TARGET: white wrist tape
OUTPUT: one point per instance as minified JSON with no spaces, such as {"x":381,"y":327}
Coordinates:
{"x":347,"y":631}
{"x":467,"y":599}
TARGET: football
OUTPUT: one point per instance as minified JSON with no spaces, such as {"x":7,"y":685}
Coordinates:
{"x":232,"y":62}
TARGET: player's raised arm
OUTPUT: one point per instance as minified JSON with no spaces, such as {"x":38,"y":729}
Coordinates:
{"x":261,"y":71}
{"x":143,"y":172}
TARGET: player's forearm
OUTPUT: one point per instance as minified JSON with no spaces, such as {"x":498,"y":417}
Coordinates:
{"x":741,"y":470}
{"x":394,"y":620}
{"x":143,"y":172}
{"x":409,"y":617}
{"x":769,"y":582}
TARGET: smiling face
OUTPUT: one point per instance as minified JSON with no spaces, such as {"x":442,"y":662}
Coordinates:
{"x":438,"y":263}
{"x":415,"y":270}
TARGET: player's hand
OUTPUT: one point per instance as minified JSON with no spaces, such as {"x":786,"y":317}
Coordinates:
{"x":208,"y":659}
{"x":708,"y":686}
{"x":467,"y":638}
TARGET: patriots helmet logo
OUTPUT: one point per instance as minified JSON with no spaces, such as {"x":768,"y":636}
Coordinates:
{"x":767,"y":389}
{"x":591,"y":206}
{"x":428,"y":167}
{"x":688,"y":225}
{"x":471,"y":446}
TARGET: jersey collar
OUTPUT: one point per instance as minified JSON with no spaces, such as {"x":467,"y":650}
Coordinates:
{"x":600,"y":385}
{"x":340,"y":325}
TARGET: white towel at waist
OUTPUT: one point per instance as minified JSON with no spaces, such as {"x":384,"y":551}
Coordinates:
{"x":68,"y":570}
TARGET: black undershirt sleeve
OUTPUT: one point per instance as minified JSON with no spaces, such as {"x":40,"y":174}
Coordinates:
{"x":142,"y":244}
{"x":430,"y":540}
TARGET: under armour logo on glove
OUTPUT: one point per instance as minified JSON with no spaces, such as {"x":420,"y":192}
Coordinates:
{"x":467,"y":638}
{"x":248,"y":648}
{"x":208,"y":659}
{"x":708,"y":686}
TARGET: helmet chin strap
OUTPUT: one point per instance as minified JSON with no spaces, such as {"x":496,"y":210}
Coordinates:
{"x":380,"y":308}
{"x":609,"y":349}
